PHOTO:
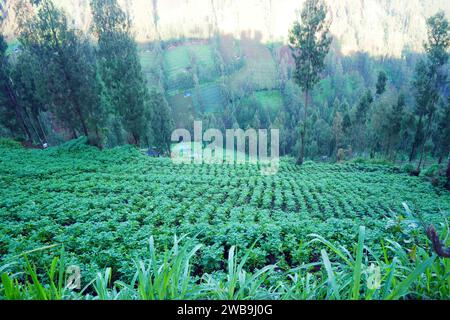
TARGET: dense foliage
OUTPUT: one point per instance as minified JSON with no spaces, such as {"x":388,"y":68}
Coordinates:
{"x":359,"y":105}
{"x":353,"y":226}
{"x":103,"y":206}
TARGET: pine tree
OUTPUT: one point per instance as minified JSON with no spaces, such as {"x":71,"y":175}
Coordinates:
{"x":26,"y":75}
{"x":309,"y":41}
{"x":442,"y":140}
{"x":429,"y":77}
{"x":338,"y":131}
{"x":161,"y":122}
{"x":381,"y":83}
{"x":120,"y":67}
{"x":361,"y":120}
{"x":394,"y":120}
{"x":69,"y":67}
{"x":11,"y":113}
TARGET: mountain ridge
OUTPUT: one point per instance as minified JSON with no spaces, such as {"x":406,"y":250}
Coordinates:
{"x":379,"y":27}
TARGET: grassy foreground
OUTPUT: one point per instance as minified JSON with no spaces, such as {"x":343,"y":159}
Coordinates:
{"x":322,"y":231}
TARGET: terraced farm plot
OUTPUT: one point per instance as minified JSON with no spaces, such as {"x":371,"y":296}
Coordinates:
{"x":176,"y":60}
{"x":104,"y":206}
{"x":150,"y":67}
{"x":180,"y":59}
{"x":272,"y":101}
{"x":259,"y":67}
{"x":261,"y":75}
{"x":207,"y":98}
{"x":259,"y":64}
{"x":228,"y":49}
{"x":210,"y":97}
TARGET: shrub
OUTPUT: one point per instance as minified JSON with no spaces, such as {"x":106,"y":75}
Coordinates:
{"x":432,"y":171}
{"x":342,"y":274}
{"x":8,"y":143}
{"x":408,"y":168}
{"x":341,"y":155}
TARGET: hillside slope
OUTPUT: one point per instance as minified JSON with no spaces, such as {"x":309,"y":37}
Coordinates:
{"x":380,"y":27}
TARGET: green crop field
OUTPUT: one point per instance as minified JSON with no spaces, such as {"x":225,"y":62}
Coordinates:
{"x":211,"y":98}
{"x":102,"y":207}
{"x":179,"y":59}
{"x":272,"y":101}
{"x":259,"y":68}
{"x":176,"y":59}
{"x":150,"y":65}
{"x":261,"y":74}
{"x":207,"y":97}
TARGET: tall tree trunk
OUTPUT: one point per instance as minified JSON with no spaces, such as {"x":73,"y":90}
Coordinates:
{"x":448,"y":174}
{"x":395,"y":156}
{"x":136,"y":139}
{"x":424,"y":140}
{"x":24,"y":126}
{"x":415,"y":142}
{"x":388,"y":150}
{"x":41,"y":128}
{"x":80,"y":116}
{"x":303,"y":133}
{"x":18,"y":112}
{"x":67,"y":76}
{"x":98,"y":143}
{"x":33,"y":119}
{"x":30,"y":119}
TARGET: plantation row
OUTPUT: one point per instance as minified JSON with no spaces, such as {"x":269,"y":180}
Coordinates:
{"x":103,"y":206}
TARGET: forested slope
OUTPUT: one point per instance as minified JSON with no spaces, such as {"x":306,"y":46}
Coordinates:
{"x":379,"y":27}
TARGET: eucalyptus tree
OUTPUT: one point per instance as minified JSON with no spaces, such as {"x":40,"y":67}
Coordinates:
{"x":120,"y":67}
{"x":309,"y":40}
{"x":429,"y":79}
{"x":11,"y":114}
{"x":69,"y":67}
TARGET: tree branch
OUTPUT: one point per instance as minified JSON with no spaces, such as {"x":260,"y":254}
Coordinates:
{"x":438,"y":245}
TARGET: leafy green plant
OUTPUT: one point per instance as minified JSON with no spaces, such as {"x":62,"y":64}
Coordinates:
{"x":103,"y":205}
{"x":239,"y":284}
{"x":8,"y":143}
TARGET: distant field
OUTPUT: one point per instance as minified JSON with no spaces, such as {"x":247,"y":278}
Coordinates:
{"x":228,"y":49}
{"x":272,"y":101}
{"x":259,"y":71}
{"x":181,"y":58}
{"x":148,"y":60}
{"x":259,"y":67}
{"x":211,"y":98}
{"x":150,"y":66}
{"x":206,"y":98}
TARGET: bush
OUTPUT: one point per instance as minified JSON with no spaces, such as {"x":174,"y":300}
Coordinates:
{"x":184,"y":81}
{"x":436,"y":174}
{"x":408,"y":168}
{"x":8,"y":143}
{"x":348,"y":274}
{"x":432,"y":171}
{"x":374,"y":161}
{"x":341,"y":155}
{"x":74,"y":145}
{"x":309,"y":163}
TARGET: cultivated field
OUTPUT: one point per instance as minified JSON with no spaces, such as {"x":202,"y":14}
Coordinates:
{"x":103,"y":207}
